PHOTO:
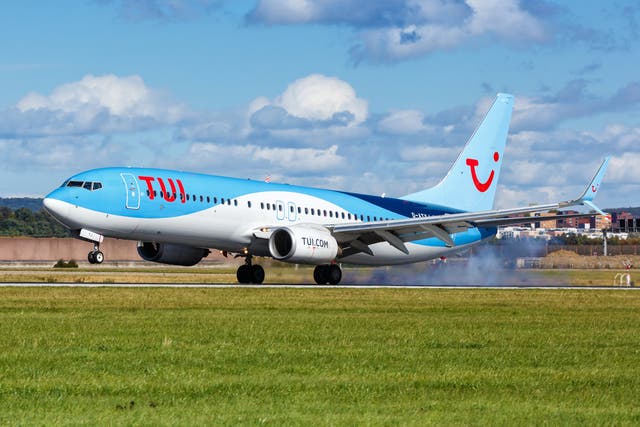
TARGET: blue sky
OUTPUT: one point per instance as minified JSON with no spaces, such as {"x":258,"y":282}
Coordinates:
{"x":350,"y":94}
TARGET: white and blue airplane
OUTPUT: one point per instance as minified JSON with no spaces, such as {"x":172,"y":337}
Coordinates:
{"x":177,"y":217}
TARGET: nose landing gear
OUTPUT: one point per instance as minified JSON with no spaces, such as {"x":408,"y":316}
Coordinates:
{"x":95,"y":256}
{"x":249,"y":273}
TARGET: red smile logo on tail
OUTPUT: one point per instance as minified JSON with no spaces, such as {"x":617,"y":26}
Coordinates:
{"x":481,"y":186}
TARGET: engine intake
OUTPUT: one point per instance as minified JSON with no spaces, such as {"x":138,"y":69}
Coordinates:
{"x":169,"y":253}
{"x":303,"y":244}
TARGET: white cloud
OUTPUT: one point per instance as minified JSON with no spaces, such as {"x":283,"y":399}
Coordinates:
{"x":402,"y":29}
{"x":291,"y":160}
{"x":99,"y":104}
{"x":503,"y":19}
{"x":403,"y":122}
{"x":318,"y":97}
{"x":286,"y":11}
{"x":120,"y":96}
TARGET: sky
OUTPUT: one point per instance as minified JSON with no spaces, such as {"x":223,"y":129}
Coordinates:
{"x":356,"y":95}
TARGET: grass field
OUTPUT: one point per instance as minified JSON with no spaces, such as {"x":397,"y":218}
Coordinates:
{"x":318,"y":356}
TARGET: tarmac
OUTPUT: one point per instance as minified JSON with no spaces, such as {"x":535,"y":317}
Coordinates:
{"x":310,"y":286}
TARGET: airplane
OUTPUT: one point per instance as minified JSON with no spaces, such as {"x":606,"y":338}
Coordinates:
{"x":179,"y":217}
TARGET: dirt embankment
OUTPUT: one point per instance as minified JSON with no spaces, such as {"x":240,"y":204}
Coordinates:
{"x":569,"y":259}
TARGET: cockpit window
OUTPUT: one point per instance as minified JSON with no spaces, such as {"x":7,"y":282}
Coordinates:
{"x":87,"y":185}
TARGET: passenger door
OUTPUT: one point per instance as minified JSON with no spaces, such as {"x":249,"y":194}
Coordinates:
{"x":132,"y":191}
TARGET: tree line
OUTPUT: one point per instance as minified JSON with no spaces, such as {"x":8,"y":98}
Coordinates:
{"x":25,"y":222}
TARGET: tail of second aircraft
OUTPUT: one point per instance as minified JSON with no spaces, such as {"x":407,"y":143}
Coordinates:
{"x":470,"y":184}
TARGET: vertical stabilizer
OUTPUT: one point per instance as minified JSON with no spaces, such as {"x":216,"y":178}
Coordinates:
{"x":470,"y":184}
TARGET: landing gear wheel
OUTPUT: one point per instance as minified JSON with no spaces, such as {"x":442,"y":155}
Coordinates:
{"x":334,"y":274}
{"x":244,"y":274}
{"x":95,"y":257}
{"x":327,"y":274}
{"x":257,"y":274}
{"x":320,"y":274}
{"x":248,"y":273}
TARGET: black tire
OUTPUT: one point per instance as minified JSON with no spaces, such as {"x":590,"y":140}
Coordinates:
{"x":257,"y":274}
{"x":244,"y":274}
{"x":321,"y":274}
{"x":91,"y":257}
{"x":334,"y":274}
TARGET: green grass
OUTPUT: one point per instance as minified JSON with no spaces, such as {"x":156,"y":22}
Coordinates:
{"x":318,"y":356}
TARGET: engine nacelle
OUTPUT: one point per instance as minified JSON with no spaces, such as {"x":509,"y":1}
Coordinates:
{"x":169,"y":253}
{"x":303,"y":244}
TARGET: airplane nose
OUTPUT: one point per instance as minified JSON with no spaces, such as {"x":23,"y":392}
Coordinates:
{"x":57,"y":208}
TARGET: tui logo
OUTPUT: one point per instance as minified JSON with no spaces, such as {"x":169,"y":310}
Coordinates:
{"x":481,"y":186}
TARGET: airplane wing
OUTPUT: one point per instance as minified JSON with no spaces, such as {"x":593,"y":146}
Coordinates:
{"x":355,"y":238}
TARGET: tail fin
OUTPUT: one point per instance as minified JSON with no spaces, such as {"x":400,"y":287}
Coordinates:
{"x":470,"y":184}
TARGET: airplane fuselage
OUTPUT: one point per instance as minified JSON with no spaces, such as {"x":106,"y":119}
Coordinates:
{"x":222,"y":213}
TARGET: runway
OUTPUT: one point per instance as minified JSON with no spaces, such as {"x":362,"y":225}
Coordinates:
{"x":311,"y":286}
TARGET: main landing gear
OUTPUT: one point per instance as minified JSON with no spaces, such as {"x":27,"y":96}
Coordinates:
{"x":95,"y":256}
{"x":328,"y":274}
{"x":249,"y":273}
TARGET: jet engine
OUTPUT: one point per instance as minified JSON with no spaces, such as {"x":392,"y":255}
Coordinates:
{"x":169,"y":253}
{"x":303,"y":244}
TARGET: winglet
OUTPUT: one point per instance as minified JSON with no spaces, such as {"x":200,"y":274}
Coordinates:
{"x":592,"y":189}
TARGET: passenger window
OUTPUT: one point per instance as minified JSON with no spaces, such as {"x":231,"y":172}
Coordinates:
{"x":222,"y":200}
{"x":331,"y":214}
{"x":208,"y":199}
{"x":306,"y":211}
{"x":201,"y":199}
{"x":261,"y":205}
{"x":312,"y":212}
{"x":268,"y":206}
{"x":342,"y":215}
{"x":215,"y":200}
{"x":187,"y":197}
{"x":248,"y":203}
{"x":229,"y":202}
{"x":235,"y":202}
{"x":299,"y":210}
